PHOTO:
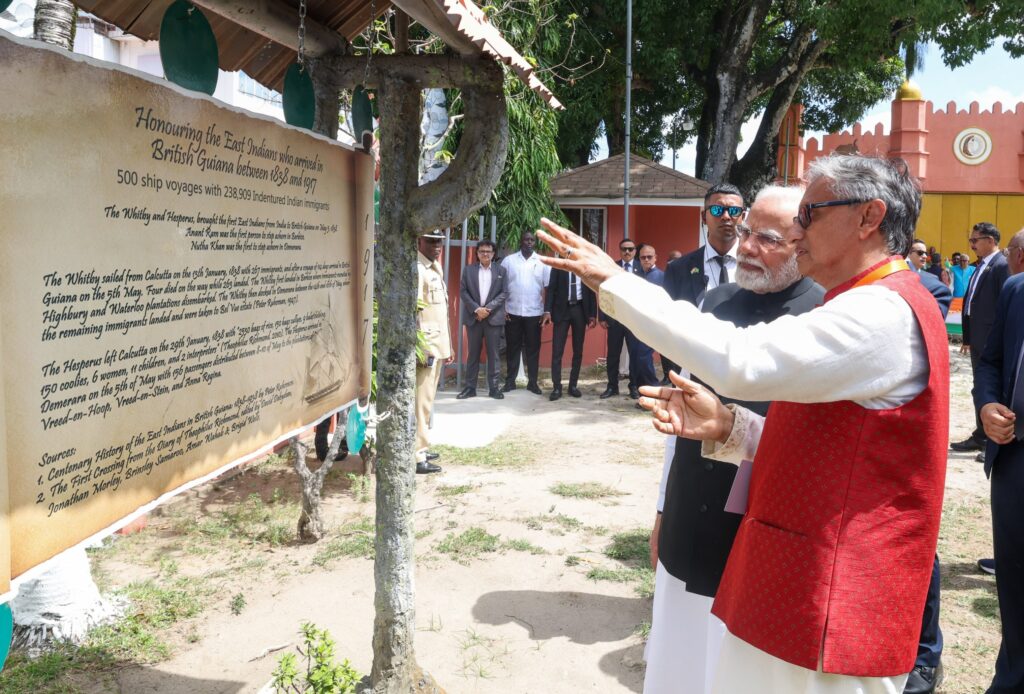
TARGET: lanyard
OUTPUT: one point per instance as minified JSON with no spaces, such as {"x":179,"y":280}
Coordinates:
{"x":880,"y":272}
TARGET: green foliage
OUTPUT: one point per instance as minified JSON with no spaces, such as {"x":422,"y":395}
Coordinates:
{"x":354,"y":539}
{"x":584,"y":490}
{"x":631,"y":546}
{"x":469,"y":544}
{"x":253,"y":520}
{"x":237,"y":604}
{"x":323,"y":675}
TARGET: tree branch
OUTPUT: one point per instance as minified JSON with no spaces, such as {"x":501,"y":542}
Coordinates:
{"x":423,"y":71}
{"x":466,"y":184}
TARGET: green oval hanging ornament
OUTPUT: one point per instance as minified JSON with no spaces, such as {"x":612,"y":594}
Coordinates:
{"x":362,"y":118}
{"x":298,"y":100}
{"x":188,"y":48}
{"x":355,"y":429}
{"x":4,"y":4}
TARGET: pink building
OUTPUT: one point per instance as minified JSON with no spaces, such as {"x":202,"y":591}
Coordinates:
{"x":970,"y":162}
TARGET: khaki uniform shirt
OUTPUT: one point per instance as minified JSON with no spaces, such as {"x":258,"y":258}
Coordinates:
{"x":433,"y":319}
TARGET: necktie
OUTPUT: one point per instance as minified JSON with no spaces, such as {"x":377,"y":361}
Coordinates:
{"x":970,"y":289}
{"x":723,"y":276}
{"x":1017,"y":398}
{"x":572,"y":286}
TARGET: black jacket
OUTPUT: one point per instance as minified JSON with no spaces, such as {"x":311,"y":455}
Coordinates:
{"x":556,"y":298}
{"x":696,"y":531}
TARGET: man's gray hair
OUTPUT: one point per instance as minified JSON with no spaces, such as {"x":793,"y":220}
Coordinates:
{"x":787,"y":195}
{"x":857,"y":177}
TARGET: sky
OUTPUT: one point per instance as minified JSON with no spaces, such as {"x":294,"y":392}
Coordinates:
{"x":992,"y":76}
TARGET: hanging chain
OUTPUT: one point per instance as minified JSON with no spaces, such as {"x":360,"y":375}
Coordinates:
{"x":302,"y":34}
{"x":369,"y":42}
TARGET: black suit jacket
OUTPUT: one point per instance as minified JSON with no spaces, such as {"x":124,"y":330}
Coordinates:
{"x":938,"y":289}
{"x":993,"y":381}
{"x":469,"y":294}
{"x":978,"y":325}
{"x":696,"y":531}
{"x":556,"y":298}
{"x":685,"y":279}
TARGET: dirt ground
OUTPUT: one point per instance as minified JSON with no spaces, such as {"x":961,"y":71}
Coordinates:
{"x":521,"y":615}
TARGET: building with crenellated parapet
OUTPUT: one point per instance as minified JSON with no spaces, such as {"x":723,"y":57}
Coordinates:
{"x":970,"y":162}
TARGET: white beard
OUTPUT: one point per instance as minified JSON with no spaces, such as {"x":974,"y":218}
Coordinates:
{"x":766,"y":281}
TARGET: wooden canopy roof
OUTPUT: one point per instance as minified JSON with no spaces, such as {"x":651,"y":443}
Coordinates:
{"x":259,"y":36}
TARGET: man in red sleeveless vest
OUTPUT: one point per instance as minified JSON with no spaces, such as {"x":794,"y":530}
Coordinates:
{"x":826,"y":582}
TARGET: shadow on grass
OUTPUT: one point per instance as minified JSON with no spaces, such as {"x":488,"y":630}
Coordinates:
{"x":966,"y":576}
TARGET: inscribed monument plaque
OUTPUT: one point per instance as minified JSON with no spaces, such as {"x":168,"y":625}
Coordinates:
{"x":181,"y":285}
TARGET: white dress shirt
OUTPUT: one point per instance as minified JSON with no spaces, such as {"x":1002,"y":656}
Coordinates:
{"x":712,"y":269}
{"x":484,"y":278}
{"x":972,"y":285}
{"x":864,"y":345}
{"x":527,"y":278}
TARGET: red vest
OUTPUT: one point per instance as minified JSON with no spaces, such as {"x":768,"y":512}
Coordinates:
{"x":835,"y":553}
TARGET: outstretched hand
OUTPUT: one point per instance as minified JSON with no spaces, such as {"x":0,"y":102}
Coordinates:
{"x":689,"y":410}
{"x":576,"y":254}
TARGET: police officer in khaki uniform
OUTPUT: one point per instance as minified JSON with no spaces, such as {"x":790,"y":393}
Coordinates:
{"x":433,"y":323}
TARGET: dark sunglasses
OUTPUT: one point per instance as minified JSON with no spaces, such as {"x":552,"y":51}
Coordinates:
{"x":804,"y":217}
{"x":919,"y":252}
{"x":628,"y":249}
{"x":647,"y":257}
{"x":719,"y":210}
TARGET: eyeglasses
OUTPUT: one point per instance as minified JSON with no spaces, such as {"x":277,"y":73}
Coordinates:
{"x":484,"y":251}
{"x":768,"y":242}
{"x":627,"y":249}
{"x":974,"y":239}
{"x":804,"y":217}
{"x":919,"y":252}
{"x":719,"y":210}
{"x":647,"y":257}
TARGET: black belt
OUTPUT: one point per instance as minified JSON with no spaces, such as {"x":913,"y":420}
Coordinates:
{"x":573,"y":303}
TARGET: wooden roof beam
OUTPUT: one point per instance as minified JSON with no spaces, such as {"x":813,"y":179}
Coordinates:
{"x":278,"y":22}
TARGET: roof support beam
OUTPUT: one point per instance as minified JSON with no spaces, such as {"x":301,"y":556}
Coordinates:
{"x":278,"y":22}
{"x":425,"y":71}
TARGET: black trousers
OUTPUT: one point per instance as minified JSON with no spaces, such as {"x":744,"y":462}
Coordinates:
{"x":522,"y":337}
{"x":1008,"y":542}
{"x":929,"y":647}
{"x":617,"y":334}
{"x":560,"y":332}
{"x":979,"y":432}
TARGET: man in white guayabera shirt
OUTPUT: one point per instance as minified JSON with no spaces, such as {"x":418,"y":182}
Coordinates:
{"x":837,"y":494}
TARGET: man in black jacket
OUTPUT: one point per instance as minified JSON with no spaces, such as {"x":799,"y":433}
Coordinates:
{"x":618,"y":333}
{"x":693,"y":533}
{"x":568,"y":303}
{"x":980,"y":311}
{"x":688,"y":278}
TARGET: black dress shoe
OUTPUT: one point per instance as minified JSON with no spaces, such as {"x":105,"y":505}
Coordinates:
{"x":980,"y":458}
{"x":427,"y":468}
{"x":433,"y":456}
{"x":609,"y":392}
{"x":555,"y":394}
{"x":923,"y":680}
{"x":534,"y":388}
{"x":508,"y":387}
{"x":634,"y":393}
{"x":968,"y":444}
{"x":466,"y":393}
{"x":988,"y":566}
{"x":496,"y":394}
{"x":575,"y":392}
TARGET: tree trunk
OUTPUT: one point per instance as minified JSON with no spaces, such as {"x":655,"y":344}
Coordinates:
{"x":62,"y":605}
{"x":394,"y":662}
{"x":311,"y":520}
{"x":55,"y":22}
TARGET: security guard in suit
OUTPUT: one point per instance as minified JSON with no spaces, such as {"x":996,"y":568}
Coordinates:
{"x":432,"y":321}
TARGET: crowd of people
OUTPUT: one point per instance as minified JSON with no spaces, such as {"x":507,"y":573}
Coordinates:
{"x":795,"y":537}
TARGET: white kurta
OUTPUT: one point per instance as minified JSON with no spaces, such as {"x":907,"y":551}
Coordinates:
{"x":864,"y":345}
